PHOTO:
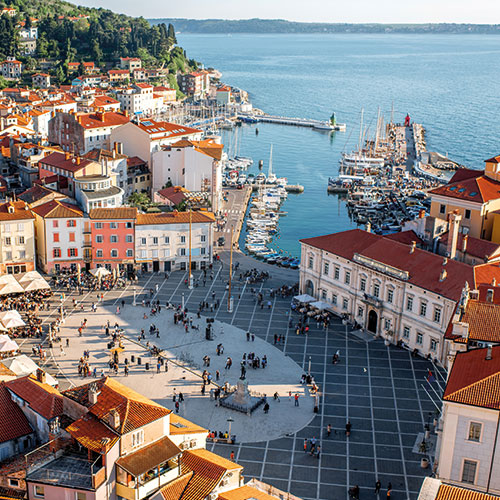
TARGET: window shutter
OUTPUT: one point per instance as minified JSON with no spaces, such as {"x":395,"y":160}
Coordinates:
{"x":69,"y":252}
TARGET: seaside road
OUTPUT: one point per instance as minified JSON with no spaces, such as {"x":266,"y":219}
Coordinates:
{"x":380,"y":389}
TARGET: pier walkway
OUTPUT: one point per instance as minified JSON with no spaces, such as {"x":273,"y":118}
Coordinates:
{"x":297,"y":122}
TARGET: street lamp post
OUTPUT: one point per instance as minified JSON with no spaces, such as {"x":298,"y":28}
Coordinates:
{"x":230,"y":421}
{"x":309,"y":368}
{"x":183,"y":301}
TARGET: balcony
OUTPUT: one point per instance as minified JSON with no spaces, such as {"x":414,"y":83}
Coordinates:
{"x":155,"y":481}
{"x":372,"y":300}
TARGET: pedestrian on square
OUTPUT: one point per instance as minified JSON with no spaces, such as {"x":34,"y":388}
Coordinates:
{"x":177,"y":407}
{"x":348,"y":428}
{"x":378,"y":485}
{"x":231,"y":456}
{"x":389,"y":491}
{"x":328,"y":430}
{"x":296,"y":397}
{"x":305,"y":445}
{"x":318,"y":451}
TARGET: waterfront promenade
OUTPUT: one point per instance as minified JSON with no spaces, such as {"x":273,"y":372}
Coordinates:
{"x":378,"y":388}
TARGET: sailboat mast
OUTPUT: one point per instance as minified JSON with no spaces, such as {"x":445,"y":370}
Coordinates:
{"x":361,"y":130}
{"x":270,"y":163}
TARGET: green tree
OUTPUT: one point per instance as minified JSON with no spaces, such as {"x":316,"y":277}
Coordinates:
{"x":171,"y":34}
{"x":140,"y":200}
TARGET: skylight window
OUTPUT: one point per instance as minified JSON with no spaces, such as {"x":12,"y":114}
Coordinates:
{"x":461,"y":190}
{"x":473,"y":193}
{"x":453,"y":188}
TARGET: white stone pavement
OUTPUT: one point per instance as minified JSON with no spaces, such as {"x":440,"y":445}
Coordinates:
{"x":281,"y":375}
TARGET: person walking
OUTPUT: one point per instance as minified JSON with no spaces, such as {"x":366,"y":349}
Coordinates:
{"x":328,"y":430}
{"x":348,"y":428}
{"x":378,"y":485}
{"x":231,"y":456}
{"x":296,"y":397}
{"x":305,"y":445}
{"x":318,"y":451}
{"x":389,"y":491}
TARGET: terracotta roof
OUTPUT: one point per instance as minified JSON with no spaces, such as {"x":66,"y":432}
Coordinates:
{"x":135,"y":161}
{"x":104,"y":100}
{"x":179,"y":425}
{"x":483,"y":292}
{"x":21,"y":211}
{"x":174,"y":489}
{"x":245,"y":493}
{"x":150,"y":456}
{"x":42,"y":398}
{"x":166,"y":129}
{"x":97,"y":154}
{"x":134,"y":409}
{"x":92,"y":434}
{"x":207,"y":146}
{"x":476,"y":247}
{"x":465,"y":173}
{"x":113,"y":213}
{"x":495,"y":159}
{"x":475,"y":380}
{"x":208,"y":469}
{"x":174,"y":218}
{"x":13,"y":423}
{"x":483,"y":319}
{"x":485,"y":273}
{"x":477,"y":189}
{"x":449,"y":492}
{"x":58,"y":160}
{"x":55,"y":209}
{"x":175,"y":194}
{"x":104,"y":119}
{"x":406,"y":237}
{"x":393,"y":253}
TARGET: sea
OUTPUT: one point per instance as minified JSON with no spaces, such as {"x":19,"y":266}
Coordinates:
{"x":449,"y":83}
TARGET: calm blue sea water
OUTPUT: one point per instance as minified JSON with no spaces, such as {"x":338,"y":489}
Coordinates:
{"x":447,"y":82}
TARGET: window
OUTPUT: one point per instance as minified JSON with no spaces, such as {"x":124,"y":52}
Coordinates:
{"x":8,"y":255}
{"x":137,"y":438}
{"x":130,"y":253}
{"x":38,"y":491}
{"x":143,"y":241}
{"x":376,"y":290}
{"x":409,"y":304}
{"x":57,"y":252}
{"x":183,"y":251}
{"x":6,"y":228}
{"x":442,"y":209}
{"x":390,"y":296}
{"x":71,"y":236}
{"x":474,"y":431}
{"x":434,"y":345}
{"x":129,"y":238}
{"x":437,"y":314}
{"x":334,"y":299}
{"x":203,"y":238}
{"x":128,"y":225}
{"x":406,"y":332}
{"x":98,"y":253}
{"x":337,"y":273}
{"x":326,"y":268}
{"x":20,"y":227}
{"x":71,"y":223}
{"x":72,"y":252}
{"x":55,"y":223}
{"x":14,"y":483}
{"x":203,"y":252}
{"x":81,"y":496}
{"x":467,"y":214}
{"x":20,"y":240}
{"x":345,"y":303}
{"x":8,"y":241}
{"x":469,"y":471}
{"x":113,"y":238}
{"x":423,"y":308}
{"x":98,"y":225}
{"x":323,"y":294}
{"x":183,"y":239}
{"x":113,"y":225}
{"x":420,"y":339}
{"x":114,"y":253}
{"x":167,"y":240}
{"x":347,"y":277}
{"x":98,"y":238}
{"x":55,"y":237}
{"x":22,"y":254}
{"x":155,"y":240}
{"x":387,"y":324}
{"x":360,"y":311}
{"x":362,"y":284}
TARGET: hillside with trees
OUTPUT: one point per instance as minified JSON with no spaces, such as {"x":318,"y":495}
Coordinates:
{"x":70,"y":33}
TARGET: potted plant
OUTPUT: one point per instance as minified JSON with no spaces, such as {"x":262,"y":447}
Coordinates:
{"x":424,"y":463}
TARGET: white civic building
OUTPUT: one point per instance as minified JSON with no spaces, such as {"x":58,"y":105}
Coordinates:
{"x":388,"y":287}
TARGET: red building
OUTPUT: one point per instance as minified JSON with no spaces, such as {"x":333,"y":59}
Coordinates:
{"x":112,"y":233}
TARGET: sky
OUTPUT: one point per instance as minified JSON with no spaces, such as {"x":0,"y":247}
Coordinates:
{"x":344,"y":11}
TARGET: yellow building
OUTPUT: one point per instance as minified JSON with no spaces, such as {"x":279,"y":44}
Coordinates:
{"x":17,"y":238}
{"x":475,"y":196}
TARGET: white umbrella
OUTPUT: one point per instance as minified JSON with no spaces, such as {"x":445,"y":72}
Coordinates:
{"x":29,"y":276}
{"x":100,"y":272}
{"x":319,"y":304}
{"x":7,"y":344}
{"x":8,"y":288}
{"x":12,"y":313}
{"x":36,"y":284}
{"x":13,"y":323}
{"x":304,"y":298}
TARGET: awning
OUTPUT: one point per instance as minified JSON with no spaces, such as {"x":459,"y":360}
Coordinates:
{"x":304,"y":298}
{"x":319,"y":304}
{"x":149,"y":457}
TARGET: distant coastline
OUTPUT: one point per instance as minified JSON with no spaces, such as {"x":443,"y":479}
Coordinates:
{"x":281,"y":26}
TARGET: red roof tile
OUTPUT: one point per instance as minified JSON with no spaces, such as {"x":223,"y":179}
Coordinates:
{"x":463,"y":174}
{"x":55,"y":209}
{"x":174,"y":218}
{"x":479,"y":189}
{"x":92,"y":434}
{"x":42,"y":398}
{"x":113,"y":213}
{"x":483,"y":249}
{"x":13,"y":423}
{"x":174,"y":489}
{"x":58,"y":160}
{"x":104,"y":119}
{"x":406,"y":237}
{"x":449,"y":492}
{"x":475,"y":380}
{"x":21,"y":211}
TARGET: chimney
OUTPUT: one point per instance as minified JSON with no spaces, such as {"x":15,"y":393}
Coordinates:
{"x":494,"y":282}
{"x":368,"y":227}
{"x":125,"y":112}
{"x":78,"y":160}
{"x":490,"y":294}
{"x":41,"y":376}
{"x":443,"y":275}
{"x":454,"y":219}
{"x":488,"y":353}
{"x":93,"y":394}
{"x":413,"y":246}
{"x":445,"y":261}
{"x":66,"y":155}
{"x":114,"y":419}
{"x":464,"y":242}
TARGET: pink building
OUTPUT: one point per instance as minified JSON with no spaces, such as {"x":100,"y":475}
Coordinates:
{"x":58,"y":236}
{"x":112,"y":242}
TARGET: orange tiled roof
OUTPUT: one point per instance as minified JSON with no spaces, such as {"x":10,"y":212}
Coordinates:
{"x":92,"y":434}
{"x":477,"y":189}
{"x":449,"y":492}
{"x":167,"y":129}
{"x":207,"y":146}
{"x":174,"y":218}
{"x":134,"y":409}
{"x":183,"y":426}
{"x":113,"y":213}
{"x":475,"y":380}
{"x":104,"y":119}
{"x":13,"y":423}
{"x":20,"y":212}
{"x":55,"y":209}
{"x":245,"y":493}
{"x":42,"y":398}
{"x":484,"y":321}
{"x":174,"y":489}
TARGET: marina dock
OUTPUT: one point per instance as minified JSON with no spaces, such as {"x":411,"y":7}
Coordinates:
{"x":291,"y":188}
{"x":297,"y":122}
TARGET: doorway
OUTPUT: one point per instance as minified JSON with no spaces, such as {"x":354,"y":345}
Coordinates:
{"x":372,"y":321}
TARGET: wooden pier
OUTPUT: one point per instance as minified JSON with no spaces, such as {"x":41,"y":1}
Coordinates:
{"x":297,"y":122}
